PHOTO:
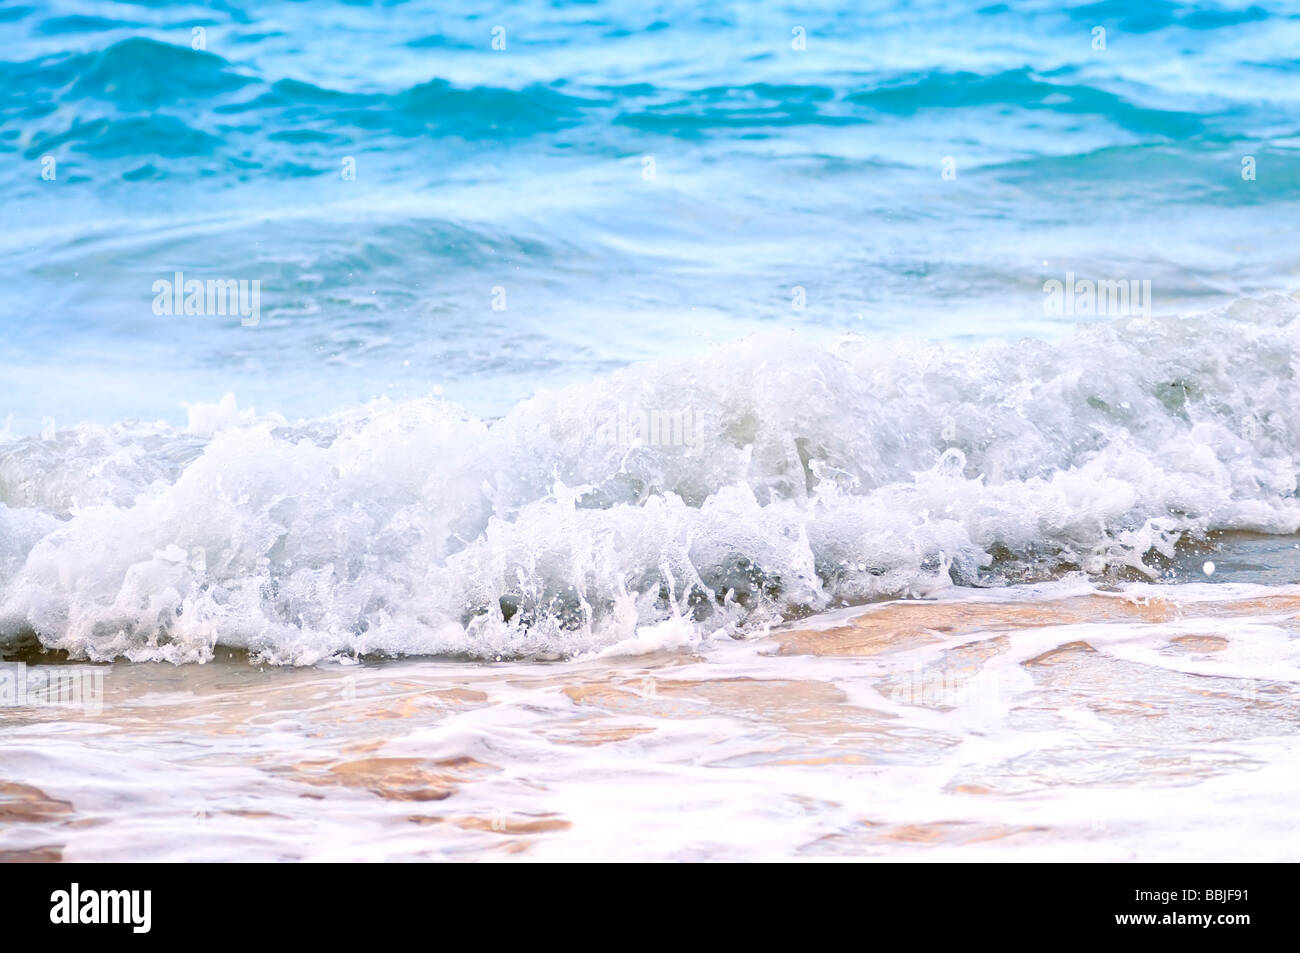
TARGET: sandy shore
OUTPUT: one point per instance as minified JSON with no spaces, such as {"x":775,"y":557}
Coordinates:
{"x":1048,"y":723}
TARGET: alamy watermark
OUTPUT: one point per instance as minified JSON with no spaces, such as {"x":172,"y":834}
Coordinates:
{"x":935,"y":687}
{"x":74,"y":906}
{"x":1117,"y":298}
{"x":638,"y":427}
{"x":216,"y":296}
{"x":52,"y":686}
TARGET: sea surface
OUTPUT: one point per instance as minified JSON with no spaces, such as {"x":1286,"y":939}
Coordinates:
{"x":588,"y":357}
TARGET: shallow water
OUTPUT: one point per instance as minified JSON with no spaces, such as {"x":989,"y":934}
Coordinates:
{"x":1059,"y":722}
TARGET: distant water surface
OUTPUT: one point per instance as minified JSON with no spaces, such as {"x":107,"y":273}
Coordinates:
{"x":779,"y":174}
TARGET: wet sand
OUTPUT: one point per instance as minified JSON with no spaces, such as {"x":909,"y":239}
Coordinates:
{"x":1050,"y":722}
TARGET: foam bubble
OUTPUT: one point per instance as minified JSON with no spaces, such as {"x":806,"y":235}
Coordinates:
{"x":773,"y":476}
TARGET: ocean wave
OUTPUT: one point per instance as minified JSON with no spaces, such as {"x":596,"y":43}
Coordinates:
{"x":1059,"y":91}
{"x":1161,"y":14}
{"x":771,"y":477}
{"x":153,"y":98}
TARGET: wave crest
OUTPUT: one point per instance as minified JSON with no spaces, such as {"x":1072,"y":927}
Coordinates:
{"x":769,"y":478}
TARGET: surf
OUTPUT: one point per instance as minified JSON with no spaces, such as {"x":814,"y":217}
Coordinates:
{"x":820,"y":474}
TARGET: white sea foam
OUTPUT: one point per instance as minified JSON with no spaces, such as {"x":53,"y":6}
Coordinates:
{"x":818,"y":475}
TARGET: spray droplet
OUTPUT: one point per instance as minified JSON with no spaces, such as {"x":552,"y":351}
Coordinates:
{"x":1208,"y":568}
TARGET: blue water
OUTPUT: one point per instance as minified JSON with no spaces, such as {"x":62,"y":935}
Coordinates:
{"x":524,"y":169}
{"x":490,"y":239}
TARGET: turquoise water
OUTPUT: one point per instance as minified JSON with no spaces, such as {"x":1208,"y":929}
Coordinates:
{"x":571,"y":324}
{"x":525,"y":169}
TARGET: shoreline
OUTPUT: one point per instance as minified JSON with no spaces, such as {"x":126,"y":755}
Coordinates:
{"x":1089,"y":727}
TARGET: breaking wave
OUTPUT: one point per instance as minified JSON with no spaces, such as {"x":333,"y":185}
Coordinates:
{"x":772,"y":477}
